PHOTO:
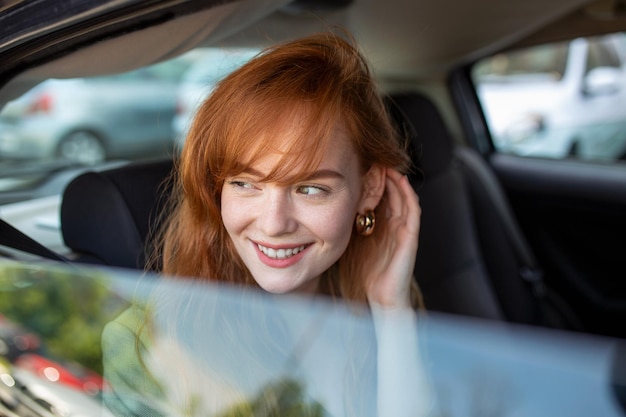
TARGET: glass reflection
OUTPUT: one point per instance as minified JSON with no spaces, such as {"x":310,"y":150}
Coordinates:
{"x":95,"y":342}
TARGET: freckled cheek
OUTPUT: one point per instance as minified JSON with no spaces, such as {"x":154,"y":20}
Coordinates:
{"x":335,"y":226}
{"x":233,"y":214}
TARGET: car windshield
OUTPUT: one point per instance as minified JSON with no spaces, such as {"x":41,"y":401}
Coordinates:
{"x":61,"y":327}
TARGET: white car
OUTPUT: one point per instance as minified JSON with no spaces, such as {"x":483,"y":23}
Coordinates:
{"x":558,"y":100}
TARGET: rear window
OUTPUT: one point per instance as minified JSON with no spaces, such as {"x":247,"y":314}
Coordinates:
{"x":558,"y":100}
{"x":545,"y":61}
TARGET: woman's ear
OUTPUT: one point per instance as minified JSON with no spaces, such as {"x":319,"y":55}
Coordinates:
{"x":373,"y":188}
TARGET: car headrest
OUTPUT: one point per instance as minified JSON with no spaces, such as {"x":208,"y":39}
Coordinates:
{"x":417,"y":117}
{"x":107,"y":215}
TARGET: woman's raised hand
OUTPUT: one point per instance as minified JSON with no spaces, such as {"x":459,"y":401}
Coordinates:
{"x":389,"y":275}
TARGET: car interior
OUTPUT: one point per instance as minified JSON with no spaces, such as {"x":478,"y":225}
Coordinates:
{"x":534,"y":241}
{"x":515,"y":116}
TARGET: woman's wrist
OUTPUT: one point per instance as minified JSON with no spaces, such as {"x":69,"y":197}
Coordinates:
{"x":391,"y":303}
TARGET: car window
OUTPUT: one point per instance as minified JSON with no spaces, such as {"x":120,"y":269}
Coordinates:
{"x":96,"y":342}
{"x":547,"y":61}
{"x":558,"y":100}
{"x":62,"y":127}
{"x":602,"y":53}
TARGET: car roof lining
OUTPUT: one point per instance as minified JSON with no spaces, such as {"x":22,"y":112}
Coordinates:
{"x":582,"y":22}
{"x":414,"y":57}
{"x":145,"y":46}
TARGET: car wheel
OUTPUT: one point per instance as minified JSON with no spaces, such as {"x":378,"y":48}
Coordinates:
{"x":82,"y":147}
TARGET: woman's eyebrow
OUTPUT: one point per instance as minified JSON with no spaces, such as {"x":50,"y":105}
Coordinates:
{"x":323,"y":173}
{"x":254,"y":172}
{"x":315,"y":175}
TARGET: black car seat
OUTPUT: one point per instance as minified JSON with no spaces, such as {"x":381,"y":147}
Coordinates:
{"x":107,"y":215}
{"x":473,"y":259}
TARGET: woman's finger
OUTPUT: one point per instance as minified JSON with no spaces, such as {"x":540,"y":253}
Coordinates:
{"x":394,"y":197}
{"x":395,"y":194}
{"x":411,"y":200}
{"x":402,"y":198}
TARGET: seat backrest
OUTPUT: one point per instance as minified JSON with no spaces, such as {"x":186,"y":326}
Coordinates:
{"x":466,"y":263}
{"x":107,"y":215}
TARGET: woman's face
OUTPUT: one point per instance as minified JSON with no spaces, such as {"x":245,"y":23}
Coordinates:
{"x":288,"y":235}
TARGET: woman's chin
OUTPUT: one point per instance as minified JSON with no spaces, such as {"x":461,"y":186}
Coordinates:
{"x":282,"y":287}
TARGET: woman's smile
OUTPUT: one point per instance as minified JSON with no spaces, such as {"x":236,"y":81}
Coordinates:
{"x":281,"y":257}
{"x":281,"y":253}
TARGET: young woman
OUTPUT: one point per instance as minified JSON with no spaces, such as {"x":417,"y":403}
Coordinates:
{"x":292,"y":179}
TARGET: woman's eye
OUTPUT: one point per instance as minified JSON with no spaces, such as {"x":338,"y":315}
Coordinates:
{"x":310,"y":190}
{"x":242,"y":184}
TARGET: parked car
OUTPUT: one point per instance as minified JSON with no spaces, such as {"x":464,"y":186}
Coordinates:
{"x":558,"y":100}
{"x":25,"y":394}
{"x":90,"y":120}
{"x":72,"y":374}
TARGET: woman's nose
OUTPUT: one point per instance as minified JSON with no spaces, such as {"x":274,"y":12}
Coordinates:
{"x":277,"y":217}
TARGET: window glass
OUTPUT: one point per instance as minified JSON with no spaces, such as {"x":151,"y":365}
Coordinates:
{"x":63,"y":126}
{"x":559,"y":100}
{"x":547,"y":61}
{"x":602,"y":53}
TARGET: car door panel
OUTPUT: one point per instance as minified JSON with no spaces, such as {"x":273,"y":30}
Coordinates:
{"x":574,"y":215}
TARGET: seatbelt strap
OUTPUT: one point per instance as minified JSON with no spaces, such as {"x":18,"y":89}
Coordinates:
{"x":530,"y":270}
{"x":555,"y":310}
{"x":15,"y":239}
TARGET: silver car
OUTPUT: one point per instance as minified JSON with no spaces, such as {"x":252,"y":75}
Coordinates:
{"x":89,"y":120}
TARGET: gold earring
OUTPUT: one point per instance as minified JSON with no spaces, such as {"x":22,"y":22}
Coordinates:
{"x":365,"y":223}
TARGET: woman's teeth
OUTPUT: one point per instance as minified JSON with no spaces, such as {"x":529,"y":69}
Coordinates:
{"x":281,"y":253}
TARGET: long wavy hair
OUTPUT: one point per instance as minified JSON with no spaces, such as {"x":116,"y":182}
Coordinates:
{"x":314,"y":84}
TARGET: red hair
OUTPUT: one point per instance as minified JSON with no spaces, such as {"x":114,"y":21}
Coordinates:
{"x":309,"y":86}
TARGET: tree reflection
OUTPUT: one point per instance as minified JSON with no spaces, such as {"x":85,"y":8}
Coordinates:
{"x":66,"y":311}
{"x":284,"y":398}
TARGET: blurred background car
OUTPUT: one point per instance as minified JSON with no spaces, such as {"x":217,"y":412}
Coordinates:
{"x":15,"y":340}
{"x":23,"y":393}
{"x":210,"y":66}
{"x":558,"y":100}
{"x":71,"y":374}
{"x":90,"y":120}
{"x":24,"y":349}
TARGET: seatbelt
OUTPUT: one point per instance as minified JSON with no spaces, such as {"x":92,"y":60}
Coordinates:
{"x":15,"y":239}
{"x":555,"y":310}
{"x":530,"y":272}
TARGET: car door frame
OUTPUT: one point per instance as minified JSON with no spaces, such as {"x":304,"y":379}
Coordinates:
{"x":572,"y":212}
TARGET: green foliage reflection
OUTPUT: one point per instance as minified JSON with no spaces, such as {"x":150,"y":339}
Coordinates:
{"x":282,"y":399}
{"x":66,"y":310}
